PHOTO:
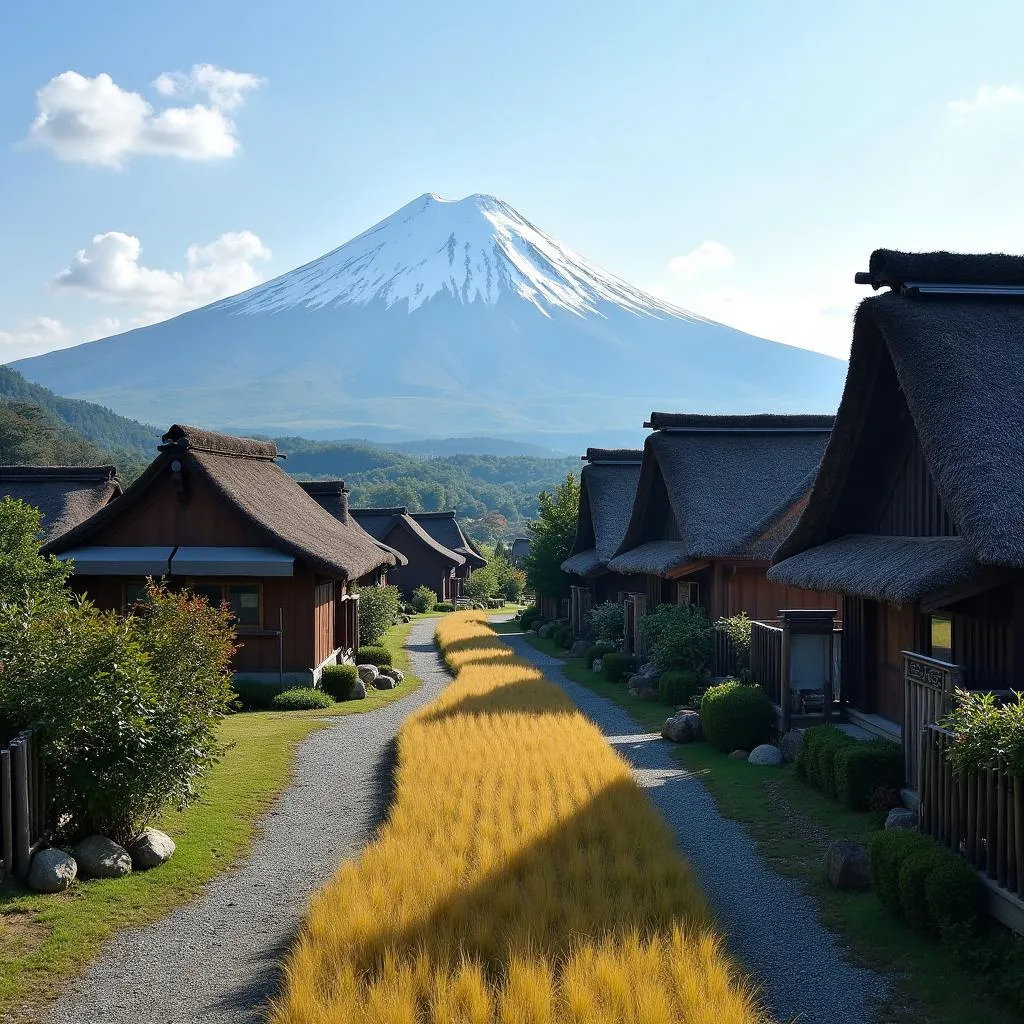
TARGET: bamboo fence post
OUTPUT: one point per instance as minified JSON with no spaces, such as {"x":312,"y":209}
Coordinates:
{"x":972,"y":816}
{"x":1000,"y":824}
{"x":990,"y":825}
{"x":19,"y":784}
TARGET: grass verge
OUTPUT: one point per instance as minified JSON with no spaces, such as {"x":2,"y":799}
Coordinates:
{"x":43,"y":939}
{"x":793,"y":825}
{"x":521,"y":877}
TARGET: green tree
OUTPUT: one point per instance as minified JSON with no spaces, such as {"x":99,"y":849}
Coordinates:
{"x":551,"y":537}
{"x":25,"y":575}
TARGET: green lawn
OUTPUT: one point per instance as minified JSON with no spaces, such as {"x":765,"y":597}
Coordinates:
{"x":792,"y":825}
{"x":43,"y":939}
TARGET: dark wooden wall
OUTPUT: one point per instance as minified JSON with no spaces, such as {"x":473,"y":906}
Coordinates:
{"x":426,"y":568}
{"x":323,"y":621}
{"x":748,"y":589}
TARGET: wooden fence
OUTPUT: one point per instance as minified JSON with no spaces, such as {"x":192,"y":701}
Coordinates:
{"x":766,"y":659}
{"x":23,"y":806}
{"x":724,"y":655}
{"x":979,"y":815}
{"x":928,"y":686}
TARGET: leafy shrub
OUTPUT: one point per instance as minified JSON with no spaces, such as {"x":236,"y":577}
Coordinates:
{"x":374,"y":655}
{"x":860,"y":769}
{"x":914,"y":874}
{"x":595,"y":652}
{"x":888,"y":850}
{"x":737,"y":629}
{"x":528,"y":617}
{"x":563,"y":637}
{"x":677,"y":636}
{"x":338,"y":681}
{"x":984,"y":726}
{"x":954,"y":894}
{"x":616,"y":666}
{"x":736,"y":717}
{"x":677,"y":685}
{"x":302,"y":698}
{"x":605,"y":624}
{"x":378,"y":608}
{"x":424,"y":599}
{"x":482,"y":583}
{"x":816,"y":760}
{"x":408,"y":609}
{"x":512,"y":586}
{"x":444,"y":606}
{"x":253,"y":696}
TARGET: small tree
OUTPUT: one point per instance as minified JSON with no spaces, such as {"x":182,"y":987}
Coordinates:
{"x":423,"y":599}
{"x":551,"y":537}
{"x":25,"y":575}
{"x":678,"y":636}
{"x":482,"y":583}
{"x":378,"y":607}
{"x":605,"y":622}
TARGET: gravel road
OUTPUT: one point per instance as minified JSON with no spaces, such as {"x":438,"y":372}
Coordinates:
{"x":218,"y":959}
{"x":771,"y":923}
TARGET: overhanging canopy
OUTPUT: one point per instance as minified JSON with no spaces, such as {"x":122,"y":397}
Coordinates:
{"x":101,"y":560}
{"x":225,"y":561}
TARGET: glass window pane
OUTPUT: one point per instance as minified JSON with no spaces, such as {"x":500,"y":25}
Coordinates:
{"x":942,"y":637}
{"x":213,"y":592}
{"x":245,"y":603}
{"x":134,"y":592}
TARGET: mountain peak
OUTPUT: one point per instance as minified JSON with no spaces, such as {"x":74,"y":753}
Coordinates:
{"x":475,"y":249}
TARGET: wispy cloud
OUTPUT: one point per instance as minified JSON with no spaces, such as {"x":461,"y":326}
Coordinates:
{"x":987,"y":98}
{"x":39,"y":334}
{"x":707,"y":256}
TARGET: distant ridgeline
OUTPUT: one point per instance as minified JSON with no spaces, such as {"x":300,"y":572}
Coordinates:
{"x":492,"y":493}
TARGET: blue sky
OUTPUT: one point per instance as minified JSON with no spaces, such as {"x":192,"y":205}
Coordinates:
{"x":741,"y":160}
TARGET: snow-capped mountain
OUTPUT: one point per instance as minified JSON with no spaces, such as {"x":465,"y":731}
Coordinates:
{"x":446,"y":318}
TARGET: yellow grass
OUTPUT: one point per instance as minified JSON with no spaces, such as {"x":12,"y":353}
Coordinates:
{"x":522,"y":878}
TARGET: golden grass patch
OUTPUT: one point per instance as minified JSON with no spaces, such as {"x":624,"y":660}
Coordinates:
{"x":522,"y":877}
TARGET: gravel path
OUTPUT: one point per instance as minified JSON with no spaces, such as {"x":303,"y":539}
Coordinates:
{"x":770,"y":921}
{"x":218,"y":959}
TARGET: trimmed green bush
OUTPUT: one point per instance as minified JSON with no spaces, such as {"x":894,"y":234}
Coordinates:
{"x":563,"y":637}
{"x":677,"y":685}
{"x":423,"y":599}
{"x":816,"y":761}
{"x":302,"y":698}
{"x":338,"y":681}
{"x":595,"y":652}
{"x":374,"y":654}
{"x":528,"y":615}
{"x":954,"y":893}
{"x":678,"y":636}
{"x":605,"y":623}
{"x":252,"y":696}
{"x":859,"y":770}
{"x":888,"y":850}
{"x":444,"y":606}
{"x":736,"y":717}
{"x":616,"y":666}
{"x":914,"y":874}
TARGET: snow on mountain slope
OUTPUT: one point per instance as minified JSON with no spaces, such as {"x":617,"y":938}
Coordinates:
{"x":475,"y":249}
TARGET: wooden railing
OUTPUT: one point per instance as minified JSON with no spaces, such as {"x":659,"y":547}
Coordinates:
{"x":724,"y":655}
{"x":979,"y":815}
{"x":23,"y":806}
{"x":928,"y":686}
{"x":766,"y":659}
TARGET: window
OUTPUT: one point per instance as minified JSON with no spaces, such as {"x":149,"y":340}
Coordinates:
{"x":941,"y":637}
{"x":242,"y":598}
{"x":134,"y":592}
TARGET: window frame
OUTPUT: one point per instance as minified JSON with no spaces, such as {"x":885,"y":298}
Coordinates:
{"x":192,"y":582}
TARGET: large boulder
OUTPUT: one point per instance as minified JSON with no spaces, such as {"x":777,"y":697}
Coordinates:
{"x":150,"y":848}
{"x":358,"y":690}
{"x":395,"y":673}
{"x":384,"y":682}
{"x":900,"y":817}
{"x":52,"y":871}
{"x":100,"y":857}
{"x":765,"y":754}
{"x":579,"y":649}
{"x":739,"y":755}
{"x":791,"y":744}
{"x":547,"y":629}
{"x":642,"y":686}
{"x":368,"y":673}
{"x":846,"y":865}
{"x":682,"y":727}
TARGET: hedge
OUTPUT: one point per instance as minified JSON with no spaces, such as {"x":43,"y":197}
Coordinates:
{"x":816,"y":760}
{"x":339,"y":680}
{"x":736,"y":717}
{"x":596,"y":652}
{"x":374,"y":655}
{"x":302,"y":698}
{"x":862,"y":770}
{"x":616,"y":666}
{"x":677,"y":685}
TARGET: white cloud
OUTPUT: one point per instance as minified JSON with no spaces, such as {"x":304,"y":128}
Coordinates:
{"x":225,"y":89}
{"x":40,"y":334}
{"x":109,"y":271}
{"x":987,"y":98}
{"x":94,"y":120}
{"x":707,"y":256}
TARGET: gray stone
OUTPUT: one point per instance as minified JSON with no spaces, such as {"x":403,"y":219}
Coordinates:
{"x":52,"y":871}
{"x":547,"y":629}
{"x":150,"y":848}
{"x":579,"y":649}
{"x":682,"y":727}
{"x":900,"y":817}
{"x":791,"y":744}
{"x":640,"y":686}
{"x":649,"y":671}
{"x":368,"y":673}
{"x":100,"y":857}
{"x":846,"y":865}
{"x":358,"y":690}
{"x":396,"y":673}
{"x":384,"y":682}
{"x":739,"y":755}
{"x":598,"y":665}
{"x":765,"y":754}
{"x":404,"y":619}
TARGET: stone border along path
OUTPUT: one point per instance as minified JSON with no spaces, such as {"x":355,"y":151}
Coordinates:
{"x":218,"y":959}
{"x":770,"y":922}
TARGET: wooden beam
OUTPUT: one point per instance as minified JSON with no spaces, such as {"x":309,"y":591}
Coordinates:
{"x":981,"y":581}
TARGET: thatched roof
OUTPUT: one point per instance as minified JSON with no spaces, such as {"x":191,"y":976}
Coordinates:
{"x":727,"y":479}
{"x":957,"y":362}
{"x":332,"y":496}
{"x":446,"y":530}
{"x":895,"y":569}
{"x":379,"y":522}
{"x":520,"y":549}
{"x":607,"y":491}
{"x":244,"y":474}
{"x":66,"y":495}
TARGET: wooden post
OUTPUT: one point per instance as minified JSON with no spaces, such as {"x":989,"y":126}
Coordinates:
{"x":1001,"y":823}
{"x":6,"y":817}
{"x":19,"y":785}
{"x":1018,"y":831}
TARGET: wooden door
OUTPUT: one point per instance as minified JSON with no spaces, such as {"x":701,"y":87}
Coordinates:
{"x":896,"y":632}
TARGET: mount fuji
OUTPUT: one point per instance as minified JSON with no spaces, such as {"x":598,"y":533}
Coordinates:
{"x":446,"y":318}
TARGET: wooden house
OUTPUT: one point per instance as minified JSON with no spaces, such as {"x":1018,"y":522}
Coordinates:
{"x":430,"y":564}
{"x":715,"y":497}
{"x":917,"y":515}
{"x":608,"y":485}
{"x":519,"y":551}
{"x":447,"y":531}
{"x":218,"y":515}
{"x":66,"y":495}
